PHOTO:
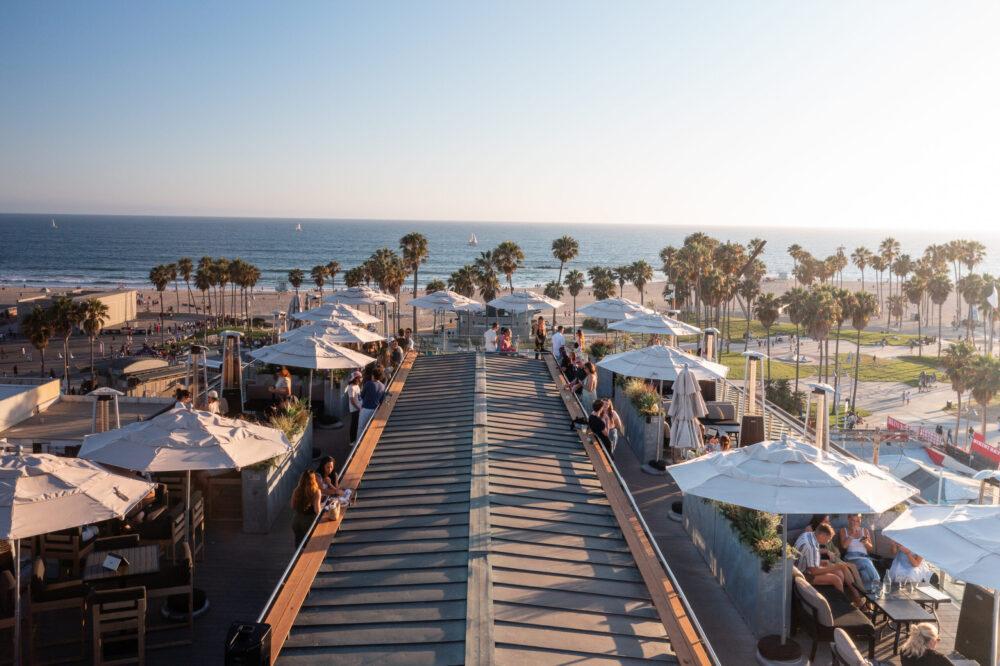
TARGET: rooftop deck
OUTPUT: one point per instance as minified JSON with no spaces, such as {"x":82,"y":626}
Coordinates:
{"x":484,"y":532}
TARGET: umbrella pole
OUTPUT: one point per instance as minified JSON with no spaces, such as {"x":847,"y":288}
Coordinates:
{"x":17,"y":601}
{"x":659,"y":424}
{"x":310,"y":388}
{"x":996,"y":626}
{"x":784,"y":579}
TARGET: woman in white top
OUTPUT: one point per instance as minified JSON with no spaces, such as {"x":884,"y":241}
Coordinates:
{"x":212,"y":405}
{"x":907,"y":566}
{"x":282,"y":389}
{"x":353,"y":392}
{"x":856,"y":542}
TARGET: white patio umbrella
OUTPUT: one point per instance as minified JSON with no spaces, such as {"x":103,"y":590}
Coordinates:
{"x":338,"y":332}
{"x":313,"y":353}
{"x":613,"y":309}
{"x":361,"y":295}
{"x":661,"y":362}
{"x":686,"y":408}
{"x":962,"y":540}
{"x":42,"y":493}
{"x":446,"y":301}
{"x":522,"y":300}
{"x":654,"y":323}
{"x":791,"y":476}
{"x":337,"y":312}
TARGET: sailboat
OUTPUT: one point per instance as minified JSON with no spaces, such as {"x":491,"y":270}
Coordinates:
{"x":54,"y":225}
{"x":298,"y":227}
{"x":473,"y":241}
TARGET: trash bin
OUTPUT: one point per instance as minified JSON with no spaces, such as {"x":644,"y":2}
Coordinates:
{"x":248,"y":644}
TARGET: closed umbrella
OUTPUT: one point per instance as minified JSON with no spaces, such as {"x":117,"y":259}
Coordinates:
{"x":962,"y":540}
{"x":790,"y":476}
{"x":686,"y":408}
{"x":336,"y":332}
{"x":42,"y":493}
{"x":337,"y":312}
{"x":613,"y":309}
{"x":522,"y":300}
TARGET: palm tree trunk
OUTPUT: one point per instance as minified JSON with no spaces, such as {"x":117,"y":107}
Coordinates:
{"x":958,"y":417}
{"x":177,"y":295}
{"x":857,"y":369}
{"x":66,"y":362}
{"x":797,"y":359}
{"x":940,"y":307}
{"x":161,"y":319}
{"x":93,"y":374}
{"x":769,"y":354}
{"x":920,"y":334}
{"x":574,"y":314}
{"x":190,"y":293}
{"x":836,"y":363}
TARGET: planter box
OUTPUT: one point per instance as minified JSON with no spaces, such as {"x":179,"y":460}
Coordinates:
{"x":755,"y":593}
{"x":640,"y":431}
{"x":266,"y":492}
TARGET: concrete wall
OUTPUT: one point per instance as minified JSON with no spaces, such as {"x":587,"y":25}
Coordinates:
{"x":754,"y":592}
{"x":266,"y":492}
{"x":28,"y":397}
{"x":641,"y":434}
{"x":121,"y":306}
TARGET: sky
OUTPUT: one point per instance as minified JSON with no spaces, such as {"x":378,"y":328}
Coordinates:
{"x":774,"y":113}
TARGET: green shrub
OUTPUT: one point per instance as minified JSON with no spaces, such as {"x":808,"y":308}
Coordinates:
{"x":598,"y":350}
{"x":758,"y":530}
{"x":646,"y":400}
{"x":592,"y":324}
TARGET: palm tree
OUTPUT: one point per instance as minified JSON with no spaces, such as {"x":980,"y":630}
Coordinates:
{"x":354,"y":277}
{"x":821,"y":313}
{"x":222,"y":277}
{"x":295,"y":278}
{"x":319,"y":275}
{"x":203,"y":282}
{"x":879,"y":265}
{"x":508,"y":257}
{"x":160,"y":277}
{"x":914,"y":290}
{"x":768,"y":309}
{"x":970,"y":287}
{"x":186,"y":268}
{"x":862,"y":257}
{"x":846,"y":301}
{"x":486,"y":276}
{"x":553,"y":290}
{"x":172,"y":270}
{"x":434,"y":286}
{"x":565,"y":249}
{"x":957,"y":361}
{"x":622,"y":275}
{"x":795,"y":251}
{"x":895,"y":305}
{"x":640,"y":273}
{"x":95,"y":314}
{"x":414,"y":249}
{"x":864,"y":307}
{"x":463,"y":281}
{"x":574,"y":284}
{"x":332,"y":269}
{"x":984,"y":382}
{"x":889,"y":249}
{"x":206,"y":267}
{"x":602,"y":282}
{"x":37,"y":327}
{"x":795,"y":305}
{"x":939,"y":287}
{"x":65,"y":314}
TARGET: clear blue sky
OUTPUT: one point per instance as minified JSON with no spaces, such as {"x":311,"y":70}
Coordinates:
{"x":777,"y":113}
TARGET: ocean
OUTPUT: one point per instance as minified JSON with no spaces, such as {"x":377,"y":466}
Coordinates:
{"x":110,"y":251}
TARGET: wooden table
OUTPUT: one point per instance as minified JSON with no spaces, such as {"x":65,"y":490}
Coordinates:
{"x":900,"y":610}
{"x":141,"y":560}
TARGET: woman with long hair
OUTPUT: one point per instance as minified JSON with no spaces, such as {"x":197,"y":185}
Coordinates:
{"x":327,"y":481}
{"x":538,"y":331}
{"x":307,"y":503}
{"x":920,"y":649}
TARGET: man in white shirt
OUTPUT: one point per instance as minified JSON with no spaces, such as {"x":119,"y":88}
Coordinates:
{"x":558,"y":342}
{"x":490,"y":337}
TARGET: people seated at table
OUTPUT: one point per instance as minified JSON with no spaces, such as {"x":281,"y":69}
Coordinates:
{"x":907,"y":566}
{"x":818,"y":572}
{"x":856,"y":542}
{"x":920,"y":649}
{"x":307,"y":503}
{"x":328,"y":482}
{"x":830,"y":554}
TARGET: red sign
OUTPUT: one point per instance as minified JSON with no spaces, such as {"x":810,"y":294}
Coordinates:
{"x":895,"y":424}
{"x":980,"y":446}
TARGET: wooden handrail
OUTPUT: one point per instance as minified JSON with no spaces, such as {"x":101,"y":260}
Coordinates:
{"x":286,"y":607}
{"x":684,"y":639}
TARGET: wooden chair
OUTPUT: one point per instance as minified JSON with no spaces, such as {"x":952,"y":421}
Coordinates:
{"x":844,"y":651}
{"x":167,"y":531}
{"x":175,"y":485}
{"x":197,"y":524}
{"x":169,"y":581}
{"x":118,"y":626}
{"x":821,"y":615}
{"x":66,"y":546}
{"x":46,"y":597}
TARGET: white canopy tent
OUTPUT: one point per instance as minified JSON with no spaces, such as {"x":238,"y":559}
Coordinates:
{"x":791,"y":476}
{"x":523,"y":300}
{"x":42,"y":493}
{"x":613,"y":309}
{"x":962,"y":540}
{"x":362,"y":295}
{"x":447,"y":301}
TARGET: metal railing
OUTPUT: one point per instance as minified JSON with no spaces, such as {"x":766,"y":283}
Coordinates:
{"x":269,"y":604}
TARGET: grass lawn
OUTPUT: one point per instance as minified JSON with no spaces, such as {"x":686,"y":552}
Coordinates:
{"x":871,"y":336}
{"x":736,"y":363}
{"x":904,"y":369}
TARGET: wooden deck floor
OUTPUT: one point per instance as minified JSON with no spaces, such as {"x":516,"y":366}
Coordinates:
{"x":481,"y":535}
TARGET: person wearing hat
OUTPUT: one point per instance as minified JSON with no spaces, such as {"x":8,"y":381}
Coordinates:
{"x":213,"y":402}
{"x":353,"y":392}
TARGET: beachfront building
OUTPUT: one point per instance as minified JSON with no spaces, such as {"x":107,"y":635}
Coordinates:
{"x":122,"y":304}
